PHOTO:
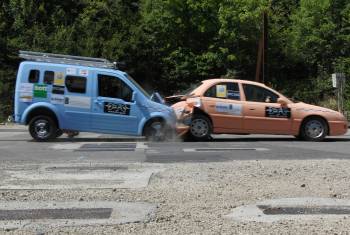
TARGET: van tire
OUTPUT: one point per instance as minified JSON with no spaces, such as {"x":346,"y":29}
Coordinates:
{"x":42,"y":128}
{"x":59,"y":133}
{"x":155,"y":131}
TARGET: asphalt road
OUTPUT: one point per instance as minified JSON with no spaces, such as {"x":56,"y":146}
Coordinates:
{"x":17,"y":145}
{"x":102,"y":184}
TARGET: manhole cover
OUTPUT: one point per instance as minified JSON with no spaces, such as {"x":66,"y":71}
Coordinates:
{"x":305,"y":210}
{"x":73,"y":213}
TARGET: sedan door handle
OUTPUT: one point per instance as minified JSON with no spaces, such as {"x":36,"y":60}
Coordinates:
{"x":252,"y":109}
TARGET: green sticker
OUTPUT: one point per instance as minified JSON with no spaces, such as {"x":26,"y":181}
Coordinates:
{"x":40,"y":91}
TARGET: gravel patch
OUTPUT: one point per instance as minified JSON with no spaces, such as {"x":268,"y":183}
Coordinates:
{"x":193,"y":198}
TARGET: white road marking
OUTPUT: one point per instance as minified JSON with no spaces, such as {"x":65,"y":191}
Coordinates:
{"x":74,"y":176}
{"x":253,"y":213}
{"x":222,"y":149}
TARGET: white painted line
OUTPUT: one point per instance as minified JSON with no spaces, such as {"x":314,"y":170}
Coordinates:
{"x":223,"y":149}
{"x":77,"y":146}
{"x":122,"y":212}
{"x":141,"y":147}
{"x":69,"y":146}
{"x":46,"y":177}
{"x":253,"y":213}
{"x":6,"y":135}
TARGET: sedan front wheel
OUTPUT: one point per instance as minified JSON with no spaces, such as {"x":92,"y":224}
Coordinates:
{"x":314,"y":129}
{"x":200,"y":128}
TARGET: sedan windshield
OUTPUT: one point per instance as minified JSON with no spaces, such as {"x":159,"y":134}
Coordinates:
{"x":188,"y":91}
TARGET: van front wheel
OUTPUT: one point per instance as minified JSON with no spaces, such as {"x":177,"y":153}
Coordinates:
{"x":42,"y":128}
{"x":155,"y":131}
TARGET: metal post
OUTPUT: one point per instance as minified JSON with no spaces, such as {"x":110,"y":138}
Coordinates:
{"x":261,"y":65}
{"x":265,"y":43}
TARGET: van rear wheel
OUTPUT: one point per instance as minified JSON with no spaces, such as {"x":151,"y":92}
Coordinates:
{"x":42,"y":128}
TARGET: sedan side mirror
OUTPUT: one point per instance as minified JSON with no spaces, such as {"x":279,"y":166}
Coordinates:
{"x":282,"y":101}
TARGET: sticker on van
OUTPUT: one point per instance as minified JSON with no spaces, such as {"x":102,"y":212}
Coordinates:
{"x":71,"y":71}
{"x":59,"y":90}
{"x":121,"y":109}
{"x":77,"y":102}
{"x":57,"y":99}
{"x":59,"y":79}
{"x":40,"y":91}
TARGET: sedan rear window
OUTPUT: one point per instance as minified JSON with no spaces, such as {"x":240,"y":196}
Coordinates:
{"x":224,"y":91}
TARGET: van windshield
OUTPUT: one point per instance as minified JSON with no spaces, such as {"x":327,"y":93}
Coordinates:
{"x":138,"y":86}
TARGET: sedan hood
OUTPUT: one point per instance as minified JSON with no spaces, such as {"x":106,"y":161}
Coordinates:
{"x":309,"y":107}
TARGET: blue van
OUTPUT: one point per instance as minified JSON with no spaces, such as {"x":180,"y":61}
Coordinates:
{"x":59,"y":93}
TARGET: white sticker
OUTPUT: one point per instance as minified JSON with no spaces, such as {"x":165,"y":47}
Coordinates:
{"x":84,"y":72}
{"x":26,"y":96}
{"x":57,"y":99}
{"x":59,"y":79}
{"x":234,"y":109}
{"x":26,"y":87}
{"x":195,"y":101}
{"x":71,"y":71}
{"x":78,"y":102}
{"x":221,"y":91}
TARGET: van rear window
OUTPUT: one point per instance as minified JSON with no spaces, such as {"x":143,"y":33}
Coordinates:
{"x":76,"y":84}
{"x":34,"y":76}
{"x":49,"y":76}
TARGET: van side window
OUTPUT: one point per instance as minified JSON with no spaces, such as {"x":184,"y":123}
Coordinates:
{"x":34,"y":76}
{"x":113,"y":87}
{"x":76,"y":84}
{"x":49,"y":76}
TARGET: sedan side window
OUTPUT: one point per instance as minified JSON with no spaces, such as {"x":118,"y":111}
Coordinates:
{"x":224,"y":91}
{"x":259,"y":94}
{"x":113,"y":87}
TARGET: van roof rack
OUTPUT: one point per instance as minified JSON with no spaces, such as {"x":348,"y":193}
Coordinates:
{"x":67,"y":59}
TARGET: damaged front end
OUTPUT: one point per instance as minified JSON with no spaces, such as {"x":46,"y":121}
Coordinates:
{"x":184,"y":112}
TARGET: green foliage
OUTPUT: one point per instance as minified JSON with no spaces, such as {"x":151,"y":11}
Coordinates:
{"x":169,"y":44}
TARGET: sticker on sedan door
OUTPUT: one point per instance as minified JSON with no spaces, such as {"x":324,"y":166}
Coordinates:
{"x":221,"y":91}
{"x":120,"y":109}
{"x":233,"y":109}
{"x":274,"y":112}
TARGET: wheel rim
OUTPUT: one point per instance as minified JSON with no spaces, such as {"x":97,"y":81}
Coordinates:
{"x":42,"y":128}
{"x":199,"y":128}
{"x":314,"y":129}
{"x":156,"y":132}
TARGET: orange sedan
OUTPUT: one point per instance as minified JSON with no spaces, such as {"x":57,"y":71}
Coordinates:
{"x":228,"y":106}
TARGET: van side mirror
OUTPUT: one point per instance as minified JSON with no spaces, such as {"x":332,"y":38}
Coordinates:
{"x":134,"y":97}
{"x":282,"y":101}
{"x":138,"y":99}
